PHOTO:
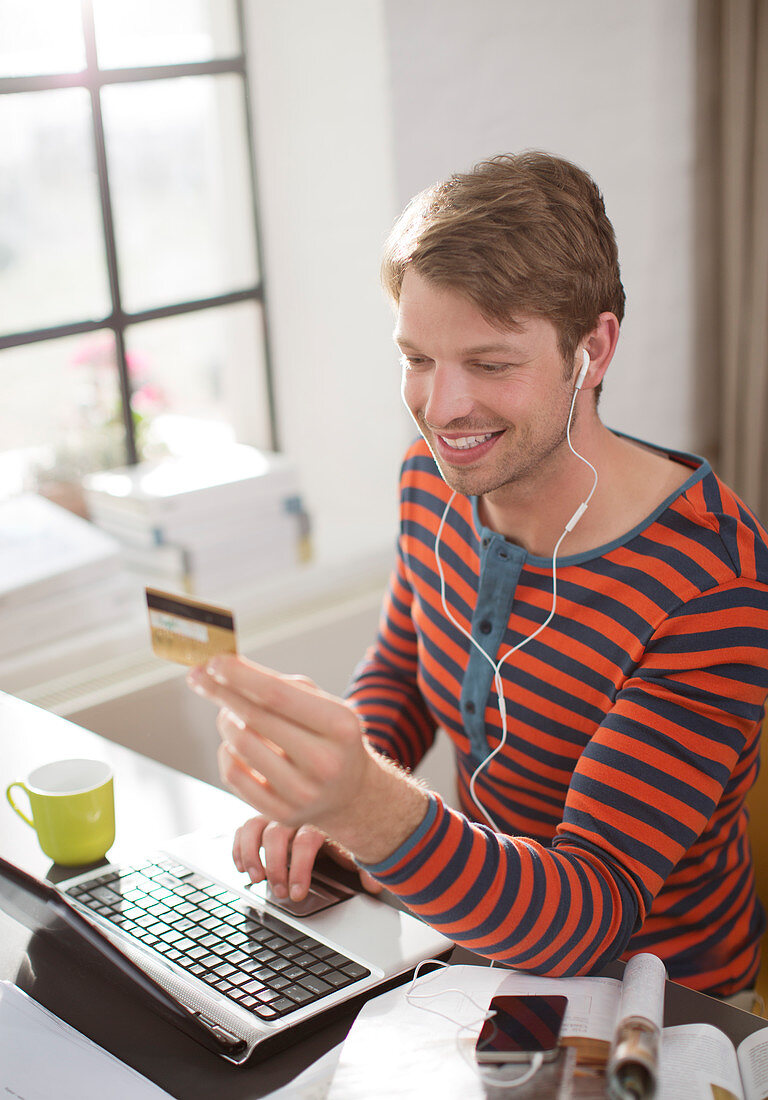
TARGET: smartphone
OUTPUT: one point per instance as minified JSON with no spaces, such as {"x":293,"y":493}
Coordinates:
{"x":521,"y":1026}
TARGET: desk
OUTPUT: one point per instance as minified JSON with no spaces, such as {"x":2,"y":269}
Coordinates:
{"x":153,"y":804}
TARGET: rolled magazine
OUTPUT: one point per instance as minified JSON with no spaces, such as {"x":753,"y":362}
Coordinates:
{"x":633,"y":1063}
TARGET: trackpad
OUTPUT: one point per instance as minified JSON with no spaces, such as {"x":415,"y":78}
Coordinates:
{"x":323,"y":893}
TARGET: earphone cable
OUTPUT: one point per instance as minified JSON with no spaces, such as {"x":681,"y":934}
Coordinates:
{"x":496,"y":665}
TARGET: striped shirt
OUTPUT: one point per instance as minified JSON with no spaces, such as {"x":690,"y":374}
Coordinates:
{"x":633,"y":733}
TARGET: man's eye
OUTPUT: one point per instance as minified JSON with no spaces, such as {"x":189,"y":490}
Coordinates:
{"x":410,"y":361}
{"x":493,"y":368}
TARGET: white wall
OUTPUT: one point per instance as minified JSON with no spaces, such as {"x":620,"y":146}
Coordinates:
{"x":606,"y":83}
{"x":326,"y":181}
{"x":359,"y":103}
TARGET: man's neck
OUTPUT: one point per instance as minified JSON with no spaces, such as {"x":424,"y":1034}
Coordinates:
{"x":632,"y":482}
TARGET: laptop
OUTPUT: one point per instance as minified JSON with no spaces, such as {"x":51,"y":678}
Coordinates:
{"x":240,"y":971}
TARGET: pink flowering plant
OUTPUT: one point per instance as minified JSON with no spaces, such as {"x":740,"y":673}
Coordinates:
{"x":94,"y":436}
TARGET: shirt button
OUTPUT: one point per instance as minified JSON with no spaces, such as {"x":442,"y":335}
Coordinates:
{"x":486,"y":626}
{"x":469,"y":707}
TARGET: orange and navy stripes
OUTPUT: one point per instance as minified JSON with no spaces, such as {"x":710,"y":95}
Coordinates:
{"x":633,"y":733}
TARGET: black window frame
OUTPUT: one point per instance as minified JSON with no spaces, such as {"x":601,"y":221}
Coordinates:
{"x":92,"y":78}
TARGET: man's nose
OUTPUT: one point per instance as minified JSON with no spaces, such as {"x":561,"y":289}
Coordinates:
{"x":450,"y":397}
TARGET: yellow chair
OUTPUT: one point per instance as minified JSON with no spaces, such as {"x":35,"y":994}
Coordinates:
{"x":757,"y":804}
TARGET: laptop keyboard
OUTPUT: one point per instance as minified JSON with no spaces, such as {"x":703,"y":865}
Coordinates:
{"x":258,"y":961}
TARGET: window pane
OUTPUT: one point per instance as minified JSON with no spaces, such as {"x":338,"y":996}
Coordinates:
{"x":52,"y":266}
{"x":40,"y":36}
{"x":178,"y":165}
{"x":197,"y":369}
{"x":61,"y":401}
{"x":164,"y":32}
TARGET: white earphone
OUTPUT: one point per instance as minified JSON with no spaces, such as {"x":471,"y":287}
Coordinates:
{"x":496,"y":665}
{"x":583,"y":371}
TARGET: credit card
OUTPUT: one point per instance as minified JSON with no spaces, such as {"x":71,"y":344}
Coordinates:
{"x":188,"y":631}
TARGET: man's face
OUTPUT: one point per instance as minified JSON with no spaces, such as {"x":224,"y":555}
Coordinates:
{"x":492,"y":404}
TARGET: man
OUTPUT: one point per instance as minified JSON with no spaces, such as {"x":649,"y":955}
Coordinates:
{"x":586,"y":616}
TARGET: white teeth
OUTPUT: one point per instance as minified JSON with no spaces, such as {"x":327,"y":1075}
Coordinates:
{"x":466,"y":441}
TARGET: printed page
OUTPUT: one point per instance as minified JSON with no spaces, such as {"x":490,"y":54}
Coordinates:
{"x":41,"y":1057}
{"x":643,"y":992}
{"x":633,"y":1066}
{"x":753,"y":1062}
{"x":698,"y":1062}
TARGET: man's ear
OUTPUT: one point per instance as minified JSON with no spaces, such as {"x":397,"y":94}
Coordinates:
{"x":600,"y":345}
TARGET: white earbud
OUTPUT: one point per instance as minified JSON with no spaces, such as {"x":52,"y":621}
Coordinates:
{"x":583,"y":371}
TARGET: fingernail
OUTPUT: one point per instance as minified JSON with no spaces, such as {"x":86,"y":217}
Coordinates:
{"x":214,"y":672}
{"x":279,"y":890}
{"x":235,"y":719}
{"x":296,"y":893}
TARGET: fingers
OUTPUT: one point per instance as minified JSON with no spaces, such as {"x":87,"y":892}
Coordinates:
{"x":369,"y":883}
{"x":288,"y":855}
{"x":307,"y":842}
{"x":294,"y":760}
{"x":246,"y":847}
{"x":296,"y":754}
{"x":247,"y":784}
{"x":236,"y":682}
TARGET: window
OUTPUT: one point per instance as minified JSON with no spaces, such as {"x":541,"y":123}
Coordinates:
{"x":132,"y":320}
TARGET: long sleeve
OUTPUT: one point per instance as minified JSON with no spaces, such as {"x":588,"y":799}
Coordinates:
{"x":632,"y":737}
{"x":651,"y":798}
{"x":384,"y":688}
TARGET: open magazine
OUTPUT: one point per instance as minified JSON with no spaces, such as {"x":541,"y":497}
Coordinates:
{"x":418,"y":1040}
{"x":698,"y":1060}
{"x":686,"y":1062}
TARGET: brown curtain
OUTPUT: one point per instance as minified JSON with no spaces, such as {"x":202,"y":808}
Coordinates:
{"x":732,"y":239}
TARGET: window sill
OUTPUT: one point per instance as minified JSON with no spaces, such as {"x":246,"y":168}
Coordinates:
{"x":92,"y":665}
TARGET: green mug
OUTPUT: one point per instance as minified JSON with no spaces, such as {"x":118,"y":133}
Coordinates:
{"x":73,"y":809}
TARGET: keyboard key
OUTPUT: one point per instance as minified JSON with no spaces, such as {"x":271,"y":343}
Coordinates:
{"x":315,"y":985}
{"x":257,"y":960}
{"x":338,"y":979}
{"x":253,"y":987}
{"x":299,"y":994}
{"x":355,"y":970}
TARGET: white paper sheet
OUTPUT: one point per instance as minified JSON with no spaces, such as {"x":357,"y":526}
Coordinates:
{"x":41,"y":1057}
{"x":419,"y":1041}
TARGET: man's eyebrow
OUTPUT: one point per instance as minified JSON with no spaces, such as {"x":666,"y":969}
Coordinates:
{"x":466,"y":353}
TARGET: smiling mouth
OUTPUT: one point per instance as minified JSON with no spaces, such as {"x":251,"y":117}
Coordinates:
{"x":466,"y":442}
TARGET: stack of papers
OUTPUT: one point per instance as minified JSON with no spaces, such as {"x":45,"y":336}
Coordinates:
{"x":205,"y":525}
{"x":58,"y":575}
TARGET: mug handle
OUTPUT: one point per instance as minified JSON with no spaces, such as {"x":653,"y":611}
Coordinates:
{"x":22,"y":815}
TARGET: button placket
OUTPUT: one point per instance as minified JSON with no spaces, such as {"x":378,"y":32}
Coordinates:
{"x":500,"y":566}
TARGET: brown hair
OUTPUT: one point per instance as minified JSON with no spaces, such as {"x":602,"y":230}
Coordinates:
{"x":519,"y":234}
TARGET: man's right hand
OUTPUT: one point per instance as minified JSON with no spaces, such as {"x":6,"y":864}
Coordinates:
{"x":285,"y":857}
